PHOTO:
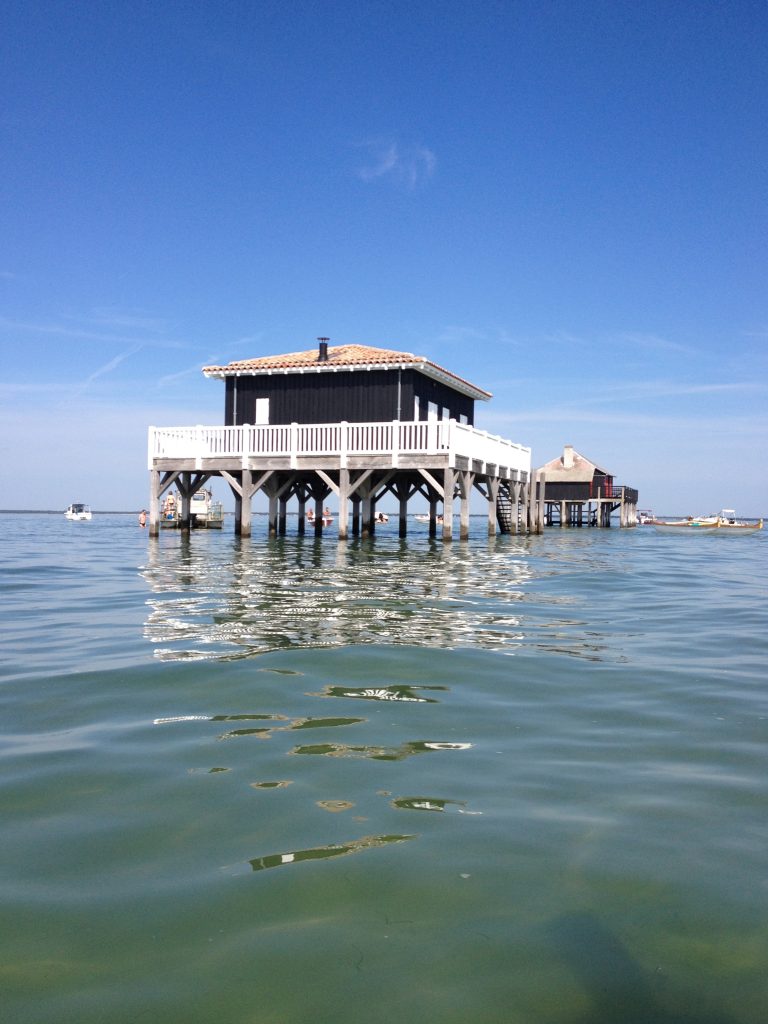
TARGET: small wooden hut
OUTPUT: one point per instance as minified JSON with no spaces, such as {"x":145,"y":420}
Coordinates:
{"x":579,"y":492}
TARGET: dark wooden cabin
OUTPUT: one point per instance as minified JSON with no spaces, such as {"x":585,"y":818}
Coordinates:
{"x":331,"y":384}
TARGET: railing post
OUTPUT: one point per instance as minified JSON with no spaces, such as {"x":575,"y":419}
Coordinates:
{"x":343,"y":446}
{"x":449,"y":425}
{"x":395,"y":443}
{"x":198,"y":445}
{"x":294,"y":444}
{"x":244,"y":453}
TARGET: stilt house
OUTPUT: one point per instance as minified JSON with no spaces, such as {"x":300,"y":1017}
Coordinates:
{"x":352,"y":421}
{"x":579,"y":492}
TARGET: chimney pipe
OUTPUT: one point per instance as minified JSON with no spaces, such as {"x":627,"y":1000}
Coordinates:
{"x":568,"y":456}
{"x":322,"y":355}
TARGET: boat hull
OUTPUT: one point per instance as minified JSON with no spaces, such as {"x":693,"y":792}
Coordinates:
{"x":709,"y":528}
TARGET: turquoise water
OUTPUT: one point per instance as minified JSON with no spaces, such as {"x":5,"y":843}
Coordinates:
{"x":514,"y":780}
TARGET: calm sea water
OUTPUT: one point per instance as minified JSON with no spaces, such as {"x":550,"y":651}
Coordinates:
{"x":514,"y":780}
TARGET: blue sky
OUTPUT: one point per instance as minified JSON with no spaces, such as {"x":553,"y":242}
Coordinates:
{"x":563,"y":202}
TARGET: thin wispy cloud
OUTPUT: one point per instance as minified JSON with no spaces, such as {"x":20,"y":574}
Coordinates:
{"x":394,"y":161}
{"x":194,"y":371}
{"x":106,"y":317}
{"x":635,"y":340}
{"x":102,"y":371}
{"x":454,"y":334}
{"x":58,"y":330}
{"x":647,"y":390}
{"x":609,"y":400}
{"x":552,"y":415}
{"x":652,"y":341}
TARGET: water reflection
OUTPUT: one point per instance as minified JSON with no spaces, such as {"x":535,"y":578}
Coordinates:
{"x":408,"y":694}
{"x":426,"y":803}
{"x":236,"y":599}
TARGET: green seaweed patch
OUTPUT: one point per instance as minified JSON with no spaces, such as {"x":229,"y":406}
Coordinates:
{"x":318,"y":748}
{"x":249,"y":718}
{"x":276,"y":860}
{"x":324,"y":723}
{"x":334,"y":806}
{"x":400,"y":753}
{"x":261,"y":734}
{"x":279,"y":784}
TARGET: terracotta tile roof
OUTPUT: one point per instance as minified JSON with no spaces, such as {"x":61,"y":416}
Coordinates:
{"x":344,"y":357}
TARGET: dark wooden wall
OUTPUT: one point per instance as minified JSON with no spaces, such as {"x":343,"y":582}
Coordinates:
{"x":584,"y":491}
{"x":357,"y":396}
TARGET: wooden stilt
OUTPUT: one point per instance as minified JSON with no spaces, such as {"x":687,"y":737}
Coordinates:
{"x":542,"y":494}
{"x":343,"y":524}
{"x":433,"y":502}
{"x":465,"y":485}
{"x":449,"y":482}
{"x":516,"y":498}
{"x":492,"y":495}
{"x":246,"y":483}
{"x":154,"y":503}
{"x":366,"y":510}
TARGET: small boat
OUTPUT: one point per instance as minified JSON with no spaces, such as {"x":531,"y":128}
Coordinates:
{"x":424,"y":518}
{"x":645,"y":517}
{"x":204,"y":512}
{"x":78,"y":512}
{"x":724,"y":522}
{"x":381,"y":517}
{"x":327,"y":518}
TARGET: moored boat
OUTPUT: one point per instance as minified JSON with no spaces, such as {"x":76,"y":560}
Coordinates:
{"x":326,"y":518}
{"x":77,"y":512}
{"x":204,"y":512}
{"x":724,"y":522}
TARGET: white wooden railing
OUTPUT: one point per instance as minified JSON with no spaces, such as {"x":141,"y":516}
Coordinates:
{"x":300,"y":440}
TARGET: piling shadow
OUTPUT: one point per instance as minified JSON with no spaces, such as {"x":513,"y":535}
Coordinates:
{"x":618,"y":988}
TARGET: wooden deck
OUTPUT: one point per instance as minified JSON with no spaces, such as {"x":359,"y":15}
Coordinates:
{"x":357,"y":462}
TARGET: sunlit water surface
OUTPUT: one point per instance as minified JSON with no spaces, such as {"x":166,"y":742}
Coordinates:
{"x":513,"y":780}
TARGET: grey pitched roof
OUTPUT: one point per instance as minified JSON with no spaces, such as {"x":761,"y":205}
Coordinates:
{"x":571,"y":467}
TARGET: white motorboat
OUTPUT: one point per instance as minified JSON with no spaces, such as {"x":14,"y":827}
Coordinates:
{"x":77,"y":512}
{"x":204,"y":512}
